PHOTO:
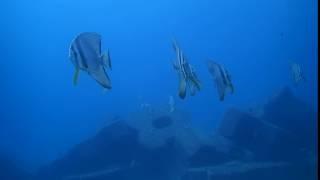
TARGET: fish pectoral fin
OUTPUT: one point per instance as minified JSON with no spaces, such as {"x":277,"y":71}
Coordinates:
{"x":175,"y":45}
{"x":182,"y":88}
{"x":76,"y":76}
{"x":106,"y":60}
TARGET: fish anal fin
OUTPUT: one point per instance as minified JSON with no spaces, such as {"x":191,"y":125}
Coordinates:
{"x":182,"y":88}
{"x":221,"y":91}
{"x":102,"y":78}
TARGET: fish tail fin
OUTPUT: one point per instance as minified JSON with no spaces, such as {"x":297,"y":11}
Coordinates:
{"x":106,"y":60}
{"x":76,"y":76}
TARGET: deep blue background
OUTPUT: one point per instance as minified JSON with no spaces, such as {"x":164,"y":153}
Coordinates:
{"x":42,"y":114}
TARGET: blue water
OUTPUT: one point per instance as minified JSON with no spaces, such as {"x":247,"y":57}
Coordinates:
{"x":42,"y":115}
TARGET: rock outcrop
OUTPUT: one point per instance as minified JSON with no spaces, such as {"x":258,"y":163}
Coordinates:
{"x":278,"y":144}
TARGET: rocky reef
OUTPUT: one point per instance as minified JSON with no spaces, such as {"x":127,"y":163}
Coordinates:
{"x":280,"y":143}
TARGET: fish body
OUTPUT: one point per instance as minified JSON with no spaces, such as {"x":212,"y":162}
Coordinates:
{"x":186,"y":73}
{"x":221,"y":78}
{"x":86,"y":55}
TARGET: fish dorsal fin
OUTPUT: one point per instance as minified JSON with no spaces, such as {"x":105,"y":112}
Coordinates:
{"x":175,"y":45}
{"x":106,"y":60}
{"x":76,"y":76}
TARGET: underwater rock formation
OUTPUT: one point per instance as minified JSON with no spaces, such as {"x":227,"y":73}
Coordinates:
{"x":124,"y":149}
{"x":252,"y":134}
{"x":162,"y":122}
{"x":178,"y":128}
{"x":298,"y":118}
{"x":10,"y":171}
{"x":285,"y":132}
{"x":208,"y":155}
{"x":237,"y":170}
{"x":113,"y":147}
{"x":164,"y":146}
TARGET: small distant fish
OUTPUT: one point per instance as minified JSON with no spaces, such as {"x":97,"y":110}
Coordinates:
{"x":221,"y":78}
{"x":172,"y":104}
{"x":85,"y":54}
{"x":187,"y":74}
{"x":297,"y":73}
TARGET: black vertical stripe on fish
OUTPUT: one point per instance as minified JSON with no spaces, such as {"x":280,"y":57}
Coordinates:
{"x":226,"y":74}
{"x":75,"y":56}
{"x":182,"y":63}
{"x":225,"y":81}
{"x":195,"y":79}
{"x":72,"y":53}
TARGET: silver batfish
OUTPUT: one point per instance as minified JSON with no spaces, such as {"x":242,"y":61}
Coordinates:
{"x":221,"y":78}
{"x":187,"y":75}
{"x":85,"y":54}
